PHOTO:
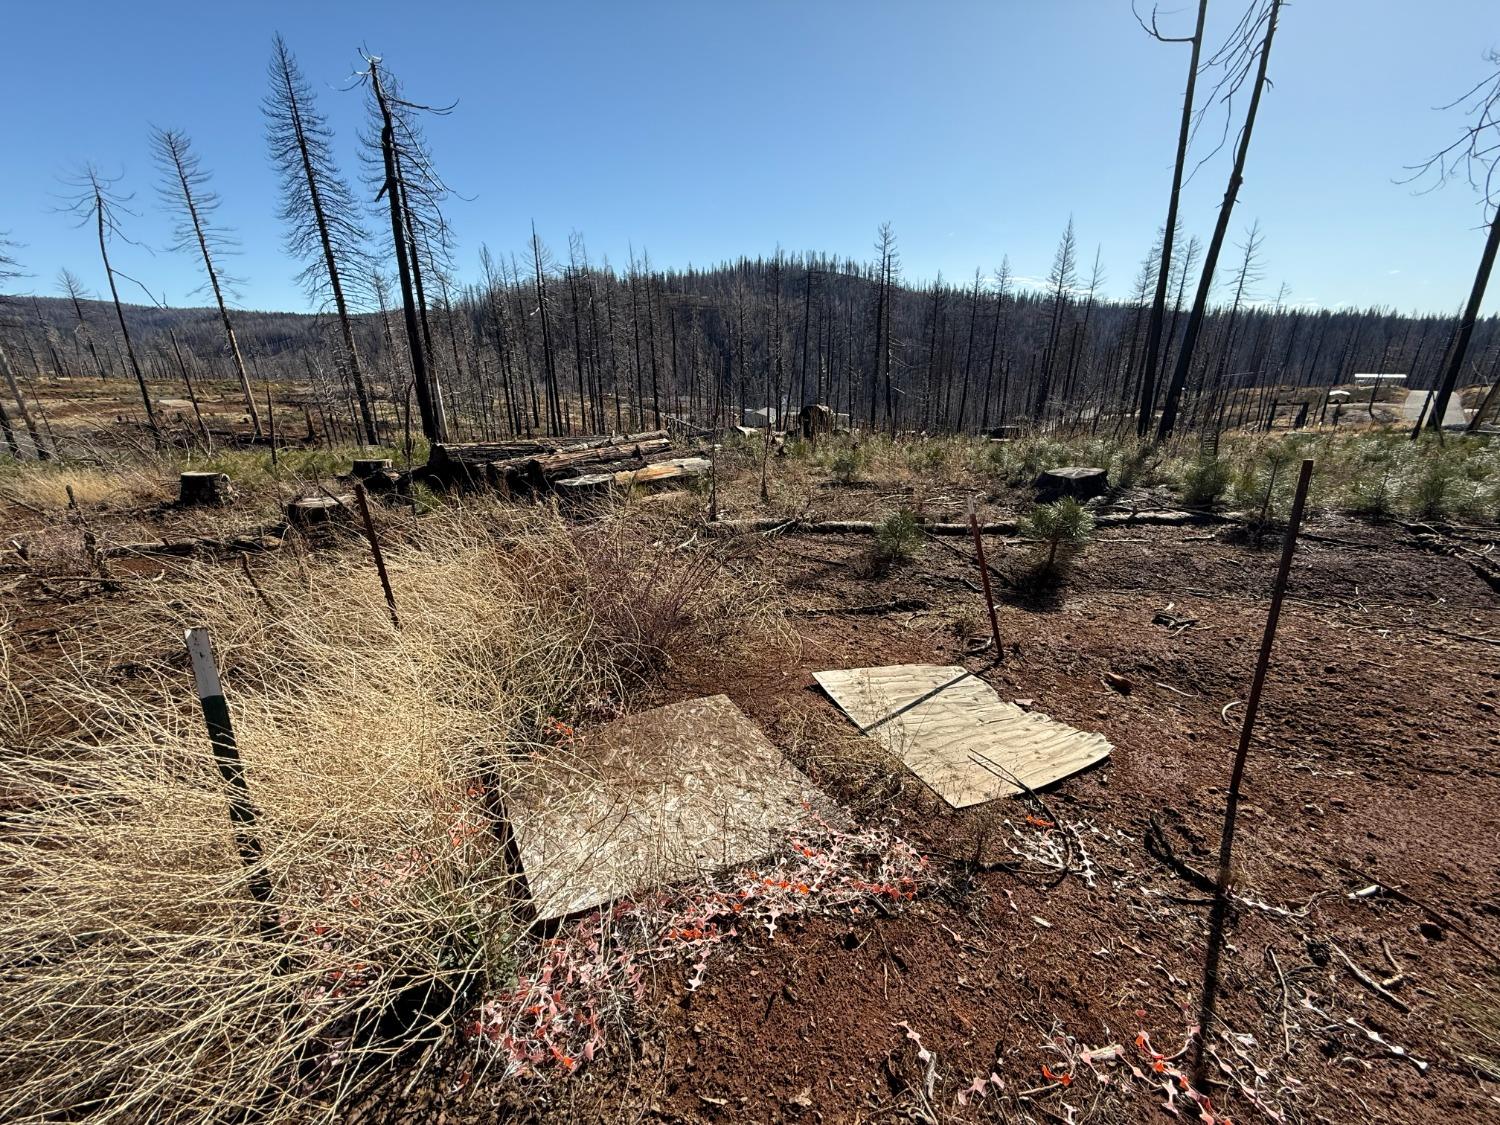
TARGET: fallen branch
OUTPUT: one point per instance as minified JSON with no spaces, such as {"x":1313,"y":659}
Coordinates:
{"x":896,"y":605}
{"x":184,"y":547}
{"x":1006,"y":527}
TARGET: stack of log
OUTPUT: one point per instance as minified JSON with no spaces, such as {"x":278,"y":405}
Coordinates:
{"x":538,"y":465}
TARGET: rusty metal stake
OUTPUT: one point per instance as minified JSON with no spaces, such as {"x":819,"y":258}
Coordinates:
{"x":1220,"y":910}
{"x":984,"y":574}
{"x":385,"y":581}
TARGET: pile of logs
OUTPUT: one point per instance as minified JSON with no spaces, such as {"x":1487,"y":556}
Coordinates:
{"x":586,"y":464}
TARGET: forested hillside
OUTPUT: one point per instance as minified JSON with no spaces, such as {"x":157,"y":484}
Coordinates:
{"x":522,"y":350}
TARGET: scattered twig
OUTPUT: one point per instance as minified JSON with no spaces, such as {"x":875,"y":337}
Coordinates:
{"x":1286,"y":999}
{"x":1370,"y":982}
{"x":254,"y":585}
{"x":1391,"y":1048}
{"x":1179,"y":691}
{"x":1376,"y":888}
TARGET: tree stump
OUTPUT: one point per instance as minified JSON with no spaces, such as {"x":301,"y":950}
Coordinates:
{"x":203,"y":489}
{"x":309,"y":511}
{"x":366,"y":467}
{"x":1080,"y":483}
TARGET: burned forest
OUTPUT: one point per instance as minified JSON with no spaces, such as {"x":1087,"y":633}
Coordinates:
{"x":555,"y":669}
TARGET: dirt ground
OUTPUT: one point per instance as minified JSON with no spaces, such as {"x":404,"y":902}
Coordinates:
{"x":1366,"y":849}
{"x":1373,"y":765}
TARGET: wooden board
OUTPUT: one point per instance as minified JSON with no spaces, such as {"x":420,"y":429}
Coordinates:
{"x":655,"y":798}
{"x":952,"y":730}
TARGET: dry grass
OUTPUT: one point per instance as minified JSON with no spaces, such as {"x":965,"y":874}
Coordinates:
{"x":138,"y":982}
{"x":44,"y":485}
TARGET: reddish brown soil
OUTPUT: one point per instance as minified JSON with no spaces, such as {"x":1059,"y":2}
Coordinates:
{"x":1373,"y":761}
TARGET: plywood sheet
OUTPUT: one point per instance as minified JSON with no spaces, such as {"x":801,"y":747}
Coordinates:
{"x":952,"y":730}
{"x":654,"y":798}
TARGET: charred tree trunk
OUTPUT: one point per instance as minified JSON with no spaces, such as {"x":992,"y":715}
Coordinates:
{"x":114,"y":292}
{"x":1150,"y":369}
{"x":432,"y":423}
{"x":1211,"y":259}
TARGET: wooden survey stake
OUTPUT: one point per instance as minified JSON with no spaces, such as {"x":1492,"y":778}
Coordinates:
{"x":242,"y":811}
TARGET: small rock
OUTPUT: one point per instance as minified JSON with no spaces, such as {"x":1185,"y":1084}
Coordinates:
{"x":802,"y":1100}
{"x":1432,"y":931}
{"x":1025,"y":704}
{"x":1119,"y":683}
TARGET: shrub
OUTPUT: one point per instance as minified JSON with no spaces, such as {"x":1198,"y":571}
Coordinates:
{"x":1205,"y":482}
{"x":898,"y":539}
{"x":847,"y":465}
{"x":1137,"y":467}
{"x":1431,"y":490}
{"x":1371,"y":496}
{"x":1058,"y":530}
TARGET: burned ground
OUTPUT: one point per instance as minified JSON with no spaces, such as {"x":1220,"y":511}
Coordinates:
{"x":1372,"y":766}
{"x":1050,"y":930}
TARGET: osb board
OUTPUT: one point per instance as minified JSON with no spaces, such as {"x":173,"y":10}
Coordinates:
{"x":654,"y":798}
{"x":952,"y":730}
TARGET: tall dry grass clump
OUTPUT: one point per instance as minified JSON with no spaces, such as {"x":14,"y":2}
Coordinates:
{"x":141,"y":980}
{"x":42,"y":486}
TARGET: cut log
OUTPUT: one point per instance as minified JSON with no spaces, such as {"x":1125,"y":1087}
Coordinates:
{"x":307,"y":511}
{"x":663,"y":472}
{"x":387,"y":480}
{"x":531,"y":463}
{"x":1078,"y":482}
{"x":366,"y":467}
{"x":552,"y":463}
{"x":815,"y":419}
{"x":196,"y":489}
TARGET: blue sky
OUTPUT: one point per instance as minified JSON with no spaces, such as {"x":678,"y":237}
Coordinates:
{"x":703,"y":130}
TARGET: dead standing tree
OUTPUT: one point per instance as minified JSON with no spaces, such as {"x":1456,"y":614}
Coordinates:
{"x":404,"y":173}
{"x":318,"y":206}
{"x":185,"y":192}
{"x":9,"y":269}
{"x":1061,"y":282}
{"x":1147,"y":407}
{"x":94,"y":201}
{"x":73,"y":290}
{"x":1260,"y":23}
{"x":880,"y":379}
{"x":1475,"y":154}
